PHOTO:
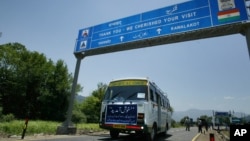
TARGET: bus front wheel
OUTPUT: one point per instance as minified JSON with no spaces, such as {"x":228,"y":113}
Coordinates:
{"x":151,"y":136}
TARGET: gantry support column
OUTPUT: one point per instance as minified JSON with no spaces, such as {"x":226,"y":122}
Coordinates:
{"x":67,"y":127}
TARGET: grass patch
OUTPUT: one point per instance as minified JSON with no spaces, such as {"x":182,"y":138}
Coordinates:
{"x":15,"y":127}
{"x":89,"y":126}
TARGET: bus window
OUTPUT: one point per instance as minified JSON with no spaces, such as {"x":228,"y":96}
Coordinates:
{"x":152,"y":95}
{"x":162,"y":102}
{"x":126,"y":93}
{"x":158,"y":100}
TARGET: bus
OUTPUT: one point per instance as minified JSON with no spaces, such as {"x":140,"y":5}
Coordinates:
{"x":135,"y":105}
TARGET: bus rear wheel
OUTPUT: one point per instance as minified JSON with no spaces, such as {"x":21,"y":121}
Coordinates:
{"x":166,"y":130}
{"x":114,"y":134}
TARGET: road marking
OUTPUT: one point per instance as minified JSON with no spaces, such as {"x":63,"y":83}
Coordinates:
{"x":196,"y":137}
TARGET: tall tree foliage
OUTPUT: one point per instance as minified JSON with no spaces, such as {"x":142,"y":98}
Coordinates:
{"x":12,"y":79}
{"x":32,"y":85}
{"x":55,"y":91}
{"x":91,"y":106}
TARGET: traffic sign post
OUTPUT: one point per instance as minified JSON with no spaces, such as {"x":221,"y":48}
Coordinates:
{"x":247,"y":34}
{"x":67,"y":127}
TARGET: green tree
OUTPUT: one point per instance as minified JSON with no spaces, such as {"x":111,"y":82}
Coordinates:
{"x":91,"y":106}
{"x":91,"y":109}
{"x":55,"y":92}
{"x":12,"y":80}
{"x":99,"y":92}
{"x":182,"y":121}
{"x":171,"y":110}
{"x":175,"y":124}
{"x":77,"y":115}
{"x":32,"y":85}
{"x":206,"y":118}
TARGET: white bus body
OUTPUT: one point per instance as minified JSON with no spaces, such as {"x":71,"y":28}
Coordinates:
{"x":135,"y":105}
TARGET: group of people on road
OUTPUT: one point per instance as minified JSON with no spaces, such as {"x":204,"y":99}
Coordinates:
{"x":200,"y":123}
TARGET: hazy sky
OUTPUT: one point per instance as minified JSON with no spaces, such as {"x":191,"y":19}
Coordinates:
{"x":210,"y":73}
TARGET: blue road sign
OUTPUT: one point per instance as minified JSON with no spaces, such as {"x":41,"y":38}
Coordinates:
{"x":188,"y":16}
{"x":221,"y":114}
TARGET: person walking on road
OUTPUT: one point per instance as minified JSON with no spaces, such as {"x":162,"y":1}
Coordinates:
{"x":187,"y":124}
{"x":199,"y":122}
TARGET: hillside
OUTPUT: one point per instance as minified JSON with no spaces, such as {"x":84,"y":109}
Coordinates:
{"x":192,"y":113}
{"x":80,"y":98}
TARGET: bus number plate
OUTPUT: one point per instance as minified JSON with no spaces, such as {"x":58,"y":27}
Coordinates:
{"x":119,"y":126}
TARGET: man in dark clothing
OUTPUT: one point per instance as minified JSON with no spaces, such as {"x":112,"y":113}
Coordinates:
{"x":187,"y":124}
{"x":199,"y":122}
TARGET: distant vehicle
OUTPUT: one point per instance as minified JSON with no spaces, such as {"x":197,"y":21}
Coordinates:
{"x":135,"y":105}
{"x":236,"y":121}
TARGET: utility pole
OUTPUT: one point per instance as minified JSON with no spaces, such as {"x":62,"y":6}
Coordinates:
{"x":247,"y":30}
{"x":247,"y":34}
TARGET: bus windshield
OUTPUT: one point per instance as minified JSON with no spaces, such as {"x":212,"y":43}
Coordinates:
{"x":123,"y":93}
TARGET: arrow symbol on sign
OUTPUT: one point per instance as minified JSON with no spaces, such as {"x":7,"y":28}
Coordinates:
{"x":159,"y":30}
{"x":121,"y":38}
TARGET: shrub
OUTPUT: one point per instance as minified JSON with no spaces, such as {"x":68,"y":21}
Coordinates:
{"x":37,"y":126}
{"x":78,"y":117}
{"x":7,"y":118}
{"x":34,"y":127}
{"x":13,"y":127}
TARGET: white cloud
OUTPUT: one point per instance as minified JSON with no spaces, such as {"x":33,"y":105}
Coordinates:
{"x":228,"y":97}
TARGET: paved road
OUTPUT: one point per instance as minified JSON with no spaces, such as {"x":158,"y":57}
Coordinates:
{"x":174,"y":134}
{"x":180,"y":134}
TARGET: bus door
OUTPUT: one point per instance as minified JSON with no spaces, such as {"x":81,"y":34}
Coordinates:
{"x":158,"y":110}
{"x":153,"y":105}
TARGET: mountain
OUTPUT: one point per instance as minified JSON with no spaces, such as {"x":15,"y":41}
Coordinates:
{"x":79,"y":98}
{"x":192,"y":113}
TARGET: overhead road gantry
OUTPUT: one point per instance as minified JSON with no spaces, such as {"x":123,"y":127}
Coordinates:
{"x":190,"y":20}
{"x":223,"y":30}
